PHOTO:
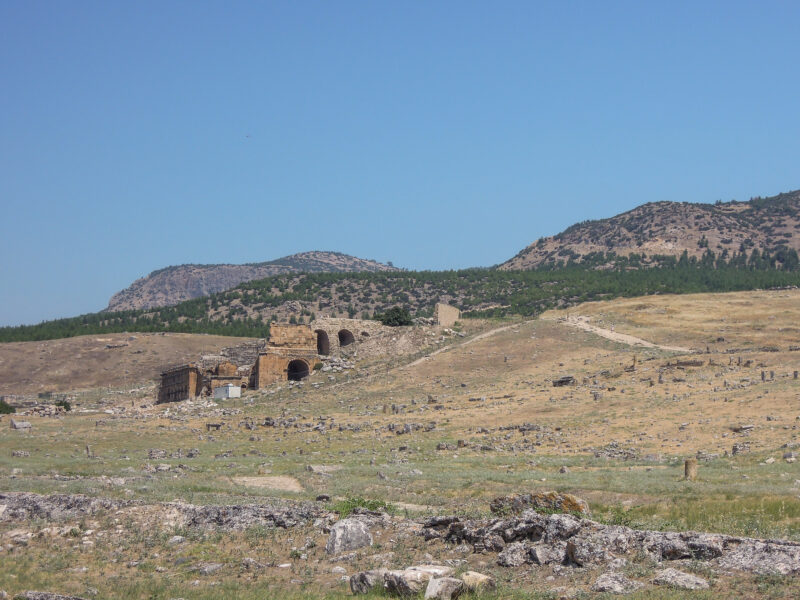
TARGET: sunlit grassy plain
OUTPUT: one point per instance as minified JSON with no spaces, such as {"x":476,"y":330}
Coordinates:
{"x":500,"y":381}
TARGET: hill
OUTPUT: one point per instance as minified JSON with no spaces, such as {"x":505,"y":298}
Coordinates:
{"x":248,"y":309}
{"x":172,"y":285}
{"x":659,"y":229}
{"x":90,"y":362}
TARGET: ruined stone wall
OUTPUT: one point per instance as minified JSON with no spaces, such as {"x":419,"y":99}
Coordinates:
{"x":360,"y":329}
{"x":226,"y":369}
{"x":180,"y":383}
{"x":446,"y":315}
{"x":291,"y":336}
{"x":272,"y":365}
{"x":223,"y":380}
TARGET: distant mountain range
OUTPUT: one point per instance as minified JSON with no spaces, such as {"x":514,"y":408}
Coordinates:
{"x":645,"y":235}
{"x":172,"y":285}
{"x":670,"y":228}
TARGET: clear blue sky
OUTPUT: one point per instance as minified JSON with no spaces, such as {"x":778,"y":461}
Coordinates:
{"x":136,"y":135}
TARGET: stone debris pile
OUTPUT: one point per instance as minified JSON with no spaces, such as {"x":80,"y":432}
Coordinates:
{"x":535,"y":538}
{"x":436,"y":581}
{"x":45,"y":410}
{"x":334,"y":364}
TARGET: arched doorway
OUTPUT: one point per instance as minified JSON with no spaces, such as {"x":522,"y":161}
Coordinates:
{"x":323,"y":343}
{"x":346,"y":337}
{"x":297,"y":370}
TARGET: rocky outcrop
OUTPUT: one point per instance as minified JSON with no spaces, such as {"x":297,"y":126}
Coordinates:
{"x":546,"y":501}
{"x":348,"y":534}
{"x":534,"y":538}
{"x":172,"y":285}
{"x":58,"y":507}
{"x":679,"y":579}
{"x":615,"y":583}
{"x":671,"y":228}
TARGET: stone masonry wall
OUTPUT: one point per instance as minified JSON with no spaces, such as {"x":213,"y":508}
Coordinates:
{"x":446,"y":315}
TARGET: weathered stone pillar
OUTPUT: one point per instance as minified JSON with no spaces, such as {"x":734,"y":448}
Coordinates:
{"x":690,"y":469}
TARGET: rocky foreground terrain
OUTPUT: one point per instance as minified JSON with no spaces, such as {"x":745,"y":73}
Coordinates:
{"x":545,"y":458}
{"x":552,"y":545}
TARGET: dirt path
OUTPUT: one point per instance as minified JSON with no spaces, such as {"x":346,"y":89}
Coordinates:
{"x":582,"y":322}
{"x":480,"y":336}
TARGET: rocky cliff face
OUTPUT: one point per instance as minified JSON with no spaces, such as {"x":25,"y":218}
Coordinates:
{"x":172,"y":285}
{"x":669,"y":228}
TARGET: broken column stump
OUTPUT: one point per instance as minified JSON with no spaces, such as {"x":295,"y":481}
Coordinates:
{"x":690,"y":469}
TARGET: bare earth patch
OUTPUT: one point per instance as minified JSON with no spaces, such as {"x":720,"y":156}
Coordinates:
{"x":582,"y":322}
{"x":276,"y":482}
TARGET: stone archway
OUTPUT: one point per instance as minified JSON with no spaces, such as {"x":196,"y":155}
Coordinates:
{"x":297,"y":370}
{"x":323,"y":343}
{"x":346,"y":338}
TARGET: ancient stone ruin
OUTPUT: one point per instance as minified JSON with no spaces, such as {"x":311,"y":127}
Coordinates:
{"x":290,"y":354}
{"x":446,"y":315}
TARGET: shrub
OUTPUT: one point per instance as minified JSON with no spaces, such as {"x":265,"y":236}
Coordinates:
{"x":6,"y":408}
{"x":395,"y":317}
{"x":347,"y":506}
{"x":65,"y":405}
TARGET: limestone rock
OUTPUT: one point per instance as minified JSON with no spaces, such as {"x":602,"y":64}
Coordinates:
{"x":444,"y":588}
{"x":209,"y":568}
{"x":549,"y":501}
{"x":348,"y":534}
{"x":20,"y":425}
{"x":411,"y":581}
{"x":615,"y":583}
{"x":679,"y":579}
{"x":477,"y":582}
{"x":251,"y":564}
{"x":362,"y":583}
{"x":547,"y":554}
{"x":513,"y":555}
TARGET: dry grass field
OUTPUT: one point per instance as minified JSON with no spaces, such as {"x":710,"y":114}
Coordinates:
{"x":440,"y":435}
{"x":92,"y":361}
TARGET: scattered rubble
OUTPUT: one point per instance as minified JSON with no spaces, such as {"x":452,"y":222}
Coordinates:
{"x":581,"y":542}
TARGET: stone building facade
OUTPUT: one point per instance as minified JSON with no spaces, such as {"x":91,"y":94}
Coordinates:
{"x":180,"y":383}
{"x":290,"y":354}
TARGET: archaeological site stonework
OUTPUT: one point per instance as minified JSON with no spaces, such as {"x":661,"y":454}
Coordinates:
{"x":290,"y":354}
{"x":446,"y":315}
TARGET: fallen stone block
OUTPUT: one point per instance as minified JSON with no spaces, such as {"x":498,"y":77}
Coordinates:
{"x":364,"y":582}
{"x":615,"y":583}
{"x":477,"y":582}
{"x":348,"y":534}
{"x":413,"y":580}
{"x":680,"y":580}
{"x":444,"y":588}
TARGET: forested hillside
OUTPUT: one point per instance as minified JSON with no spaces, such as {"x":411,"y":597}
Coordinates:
{"x":171,"y":285}
{"x":248,"y":309}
